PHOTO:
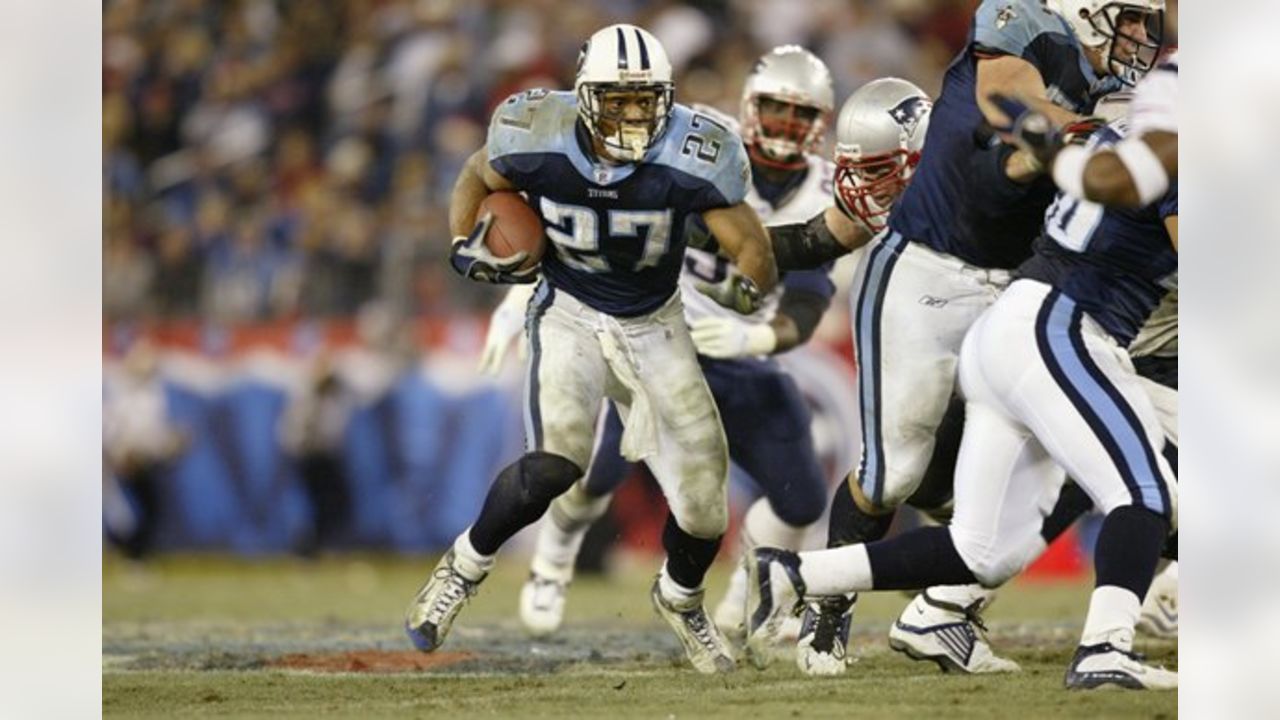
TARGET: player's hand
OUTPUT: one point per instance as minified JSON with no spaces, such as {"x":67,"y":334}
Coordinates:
{"x":1027,"y":129}
{"x":721,"y":337}
{"x":506,"y":324}
{"x":739,"y":293}
{"x":471,"y":259}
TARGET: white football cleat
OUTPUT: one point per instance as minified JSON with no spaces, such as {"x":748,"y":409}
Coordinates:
{"x":950,"y":635}
{"x":438,"y":602}
{"x":774,"y":592}
{"x":1106,"y":664}
{"x":1159,"y":617}
{"x":822,"y":648}
{"x":542,"y":604}
{"x":702,"y":642}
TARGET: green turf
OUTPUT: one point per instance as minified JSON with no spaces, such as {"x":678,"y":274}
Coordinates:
{"x":171,"y":631}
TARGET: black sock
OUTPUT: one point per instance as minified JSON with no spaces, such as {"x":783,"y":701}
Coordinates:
{"x":917,"y":559}
{"x":1072,"y":503}
{"x":688,"y":557}
{"x":1129,"y":547}
{"x":849,"y":524}
{"x":521,"y":494}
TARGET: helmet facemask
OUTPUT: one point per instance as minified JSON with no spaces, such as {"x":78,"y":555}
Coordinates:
{"x":778,"y":132}
{"x":627,"y":119}
{"x":867,"y":187}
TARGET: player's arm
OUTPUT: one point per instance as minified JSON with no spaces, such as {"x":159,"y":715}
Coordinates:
{"x":468,"y":255}
{"x":1171,"y":224}
{"x":1132,"y":173}
{"x":476,"y":181}
{"x":1014,"y":77}
{"x":825,"y":237}
{"x":806,"y":296}
{"x":743,"y":238}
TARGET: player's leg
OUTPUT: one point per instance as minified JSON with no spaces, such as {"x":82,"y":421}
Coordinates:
{"x":767,"y":425}
{"x":688,"y":456}
{"x":560,"y":536}
{"x":907,"y":352}
{"x":1091,"y":412}
{"x":564,"y":387}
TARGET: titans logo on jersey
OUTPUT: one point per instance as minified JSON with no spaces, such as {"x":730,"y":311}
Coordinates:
{"x":1115,"y":263}
{"x":959,"y":201}
{"x":617,"y":231}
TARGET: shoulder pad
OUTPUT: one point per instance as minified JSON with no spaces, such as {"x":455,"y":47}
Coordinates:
{"x":705,"y":148}
{"x":1010,"y":26}
{"x":532,"y":121}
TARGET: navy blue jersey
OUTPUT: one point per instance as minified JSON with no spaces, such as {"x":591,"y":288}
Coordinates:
{"x":1115,"y":263}
{"x":959,"y":202}
{"x":617,"y":232}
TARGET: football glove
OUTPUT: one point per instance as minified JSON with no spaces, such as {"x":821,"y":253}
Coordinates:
{"x":505,"y":325}
{"x":722,"y":337}
{"x":471,"y":259}
{"x":1027,"y":129}
{"x":736,"y":292}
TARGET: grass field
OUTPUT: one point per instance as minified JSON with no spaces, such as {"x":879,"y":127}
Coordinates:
{"x":209,"y":636}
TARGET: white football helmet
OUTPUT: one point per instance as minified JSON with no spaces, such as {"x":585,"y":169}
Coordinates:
{"x":624,"y":58}
{"x":792,"y":75}
{"x":879,"y":137}
{"x":1097,"y":25}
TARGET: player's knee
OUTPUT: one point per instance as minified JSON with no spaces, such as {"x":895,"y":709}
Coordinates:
{"x":800,"y":504}
{"x":988,"y":564}
{"x":703,"y":518}
{"x":578,"y":506}
{"x":540,"y":477}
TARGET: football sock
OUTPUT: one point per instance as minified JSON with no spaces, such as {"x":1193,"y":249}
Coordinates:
{"x":917,"y":559}
{"x":688,"y":557}
{"x":849,"y":524}
{"x":563,"y":530}
{"x":1072,"y":503}
{"x":1113,"y":611}
{"x":469,"y":562}
{"x":835,"y":571}
{"x":1128,"y":548}
{"x":520,"y":496}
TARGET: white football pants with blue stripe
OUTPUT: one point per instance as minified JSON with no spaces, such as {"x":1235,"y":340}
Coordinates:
{"x":649,"y":367}
{"x":1048,"y":390}
{"x":910,"y":314}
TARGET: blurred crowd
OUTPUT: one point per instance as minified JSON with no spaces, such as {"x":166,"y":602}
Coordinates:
{"x":273,"y":159}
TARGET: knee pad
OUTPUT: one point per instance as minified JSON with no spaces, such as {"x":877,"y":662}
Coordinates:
{"x":540,"y":477}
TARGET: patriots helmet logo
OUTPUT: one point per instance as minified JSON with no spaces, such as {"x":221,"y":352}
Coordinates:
{"x":1005,"y":15}
{"x":909,"y":112}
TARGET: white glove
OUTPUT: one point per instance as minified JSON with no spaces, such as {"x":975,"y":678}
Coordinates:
{"x":719,"y":337}
{"x":506,"y":323}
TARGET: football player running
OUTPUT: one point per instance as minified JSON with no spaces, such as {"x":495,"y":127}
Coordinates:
{"x":615,"y":170}
{"x":1049,"y":387}
{"x":786,"y":105}
{"x":953,"y":239}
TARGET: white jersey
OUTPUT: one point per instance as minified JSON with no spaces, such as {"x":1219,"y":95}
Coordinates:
{"x":810,"y":198}
{"x":1155,"y":100}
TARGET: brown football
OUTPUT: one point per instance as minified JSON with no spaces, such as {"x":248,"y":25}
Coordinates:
{"x":515,"y":227}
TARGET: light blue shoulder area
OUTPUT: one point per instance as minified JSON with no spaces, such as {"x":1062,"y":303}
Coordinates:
{"x":1012,"y":25}
{"x":701,"y":146}
{"x":533,"y":121}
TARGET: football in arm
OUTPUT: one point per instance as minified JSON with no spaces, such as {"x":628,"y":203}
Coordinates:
{"x":515,"y":227}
